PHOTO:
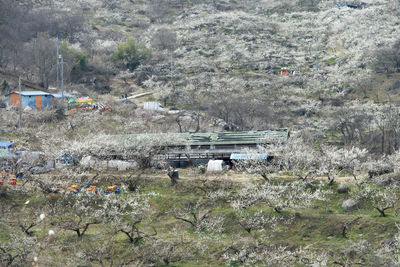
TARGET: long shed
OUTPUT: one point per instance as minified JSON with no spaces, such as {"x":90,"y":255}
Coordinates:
{"x":212,"y":145}
{"x":32,"y":99}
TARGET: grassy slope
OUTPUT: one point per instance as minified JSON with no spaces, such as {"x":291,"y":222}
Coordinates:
{"x":314,"y":226}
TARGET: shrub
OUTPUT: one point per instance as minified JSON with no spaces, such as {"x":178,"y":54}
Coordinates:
{"x":388,"y":59}
{"x":4,"y":86}
{"x":130,"y":54}
{"x":80,"y":58}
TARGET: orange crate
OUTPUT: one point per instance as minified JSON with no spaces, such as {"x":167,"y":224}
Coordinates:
{"x":112,"y":188}
{"x":92,"y":188}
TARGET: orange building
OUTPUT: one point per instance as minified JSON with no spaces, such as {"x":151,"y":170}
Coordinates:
{"x":32,"y":99}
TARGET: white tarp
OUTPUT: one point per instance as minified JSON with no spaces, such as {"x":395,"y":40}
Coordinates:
{"x":87,"y":161}
{"x":29,"y":156}
{"x":121,"y":165}
{"x":215,"y":165}
{"x":153,"y":106}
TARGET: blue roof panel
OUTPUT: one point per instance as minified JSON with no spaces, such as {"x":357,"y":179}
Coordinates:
{"x":58,"y":95}
{"x":6,"y":144}
{"x":31,"y":93}
{"x":237,"y":156}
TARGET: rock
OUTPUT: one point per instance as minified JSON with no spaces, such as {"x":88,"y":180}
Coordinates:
{"x":350,"y":205}
{"x":343,"y":188}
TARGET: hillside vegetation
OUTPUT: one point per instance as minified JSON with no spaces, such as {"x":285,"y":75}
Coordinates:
{"x":326,"y":70}
{"x":218,"y":60}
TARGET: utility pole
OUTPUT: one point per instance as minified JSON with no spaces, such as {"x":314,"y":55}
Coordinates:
{"x":20,"y":103}
{"x":57,"y":43}
{"x":62,"y":82}
{"x":171,"y":64}
{"x":316,"y":53}
{"x":62,"y":78}
{"x":171,"y":75}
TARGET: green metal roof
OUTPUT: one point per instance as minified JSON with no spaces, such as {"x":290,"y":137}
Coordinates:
{"x":223,"y":138}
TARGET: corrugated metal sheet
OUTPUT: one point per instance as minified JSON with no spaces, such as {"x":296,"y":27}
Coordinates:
{"x":30,"y":93}
{"x":13,"y":100}
{"x":152,"y":106}
{"x":38,"y":101}
{"x":46,"y":101}
{"x":6,"y":144}
{"x":58,"y":95}
{"x":28,"y":101}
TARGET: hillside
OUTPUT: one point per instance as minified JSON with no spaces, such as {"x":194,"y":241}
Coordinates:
{"x":226,"y":58}
{"x":95,"y":183}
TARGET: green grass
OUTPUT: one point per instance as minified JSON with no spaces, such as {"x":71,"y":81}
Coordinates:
{"x":313,"y":226}
{"x":330,"y":61}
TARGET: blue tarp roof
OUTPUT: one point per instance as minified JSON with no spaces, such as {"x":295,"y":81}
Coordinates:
{"x":58,"y":95}
{"x":30,"y":93}
{"x":237,"y":156}
{"x":6,"y":144}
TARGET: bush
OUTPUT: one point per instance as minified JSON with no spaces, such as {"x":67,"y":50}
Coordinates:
{"x":4,"y":86}
{"x":388,"y":59}
{"x":130,"y":54}
{"x":80,"y":58}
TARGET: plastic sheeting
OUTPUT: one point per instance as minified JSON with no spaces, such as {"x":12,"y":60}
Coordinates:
{"x":215,"y":166}
{"x":238,"y":156}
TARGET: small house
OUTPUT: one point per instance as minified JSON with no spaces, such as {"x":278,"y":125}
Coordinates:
{"x":284,"y":71}
{"x":32,"y":99}
{"x":5,"y":149}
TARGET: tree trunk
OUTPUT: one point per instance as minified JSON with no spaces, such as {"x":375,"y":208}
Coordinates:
{"x":78,"y":232}
{"x":265,"y":177}
{"x":278,"y":209}
{"x":381,"y":211}
{"x":344,"y":234}
{"x":198,"y":122}
{"x":330,"y":180}
{"x":131,"y":239}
